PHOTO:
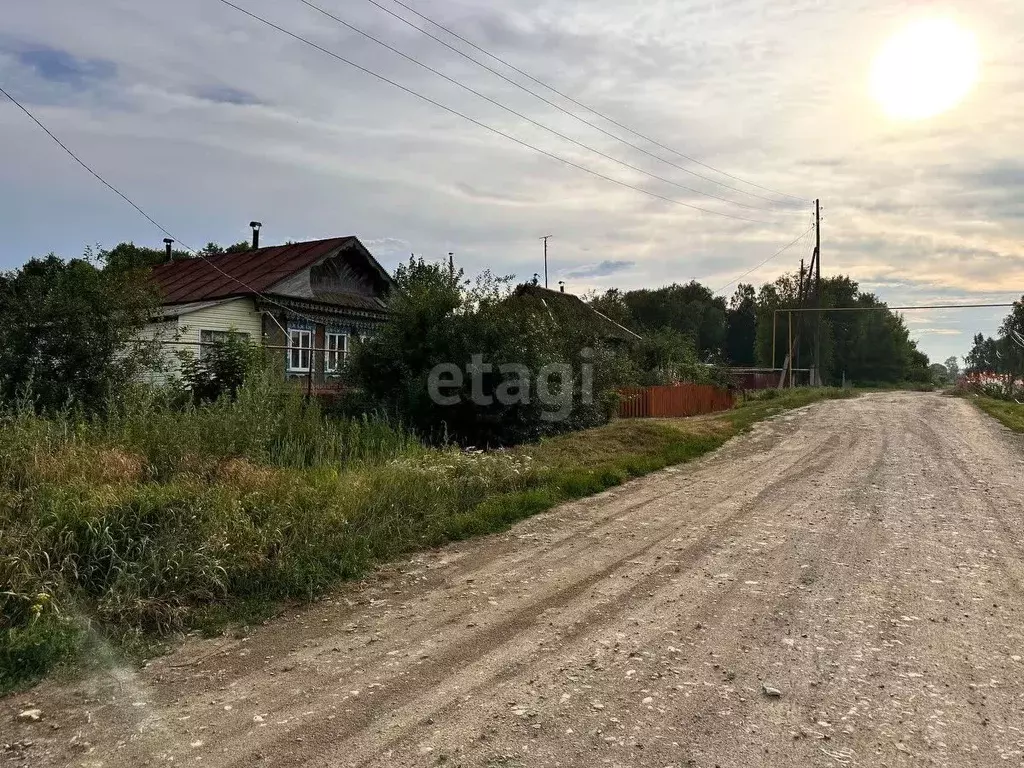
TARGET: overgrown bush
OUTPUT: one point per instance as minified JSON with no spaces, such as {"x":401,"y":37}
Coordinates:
{"x":221,"y":369}
{"x":667,"y":356}
{"x":994,"y":385}
{"x":517,"y":346}
{"x":67,"y":330}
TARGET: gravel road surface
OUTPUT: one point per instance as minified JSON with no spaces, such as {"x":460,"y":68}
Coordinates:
{"x":843,"y":586}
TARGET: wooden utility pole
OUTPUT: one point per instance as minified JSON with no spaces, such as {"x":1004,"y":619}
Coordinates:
{"x":789,"y":359}
{"x":817,"y":292}
{"x":800,"y":296}
{"x":545,"y":239}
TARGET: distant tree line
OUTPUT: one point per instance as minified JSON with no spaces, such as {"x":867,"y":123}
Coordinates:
{"x":867,"y":346}
{"x":1003,"y":354}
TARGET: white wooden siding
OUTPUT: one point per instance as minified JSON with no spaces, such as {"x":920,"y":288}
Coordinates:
{"x":237,"y":315}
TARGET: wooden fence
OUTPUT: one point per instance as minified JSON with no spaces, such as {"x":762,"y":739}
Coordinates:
{"x":676,"y":400}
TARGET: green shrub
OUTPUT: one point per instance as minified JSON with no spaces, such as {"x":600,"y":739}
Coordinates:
{"x":437,"y":320}
{"x":29,"y":652}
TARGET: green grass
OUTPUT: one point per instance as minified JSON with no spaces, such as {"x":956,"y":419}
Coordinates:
{"x":1009,"y":413}
{"x":154,"y":522}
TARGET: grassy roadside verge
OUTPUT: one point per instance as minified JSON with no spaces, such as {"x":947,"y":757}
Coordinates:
{"x":122,"y":538}
{"x":1009,"y":414}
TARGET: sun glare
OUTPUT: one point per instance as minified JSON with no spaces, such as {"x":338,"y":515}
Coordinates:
{"x":925,"y":69}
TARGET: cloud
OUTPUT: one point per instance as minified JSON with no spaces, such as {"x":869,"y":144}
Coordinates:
{"x":915,"y":212}
{"x":604,"y":269}
{"x":59,"y":66}
{"x":223,"y":94}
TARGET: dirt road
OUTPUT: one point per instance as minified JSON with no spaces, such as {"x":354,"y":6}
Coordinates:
{"x":843,"y":586}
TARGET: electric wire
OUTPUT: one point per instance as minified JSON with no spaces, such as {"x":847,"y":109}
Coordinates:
{"x":570,"y":113}
{"x":565,"y":96}
{"x":481,"y":124}
{"x":770,"y":258}
{"x":133,"y":204}
{"x":510,"y":110}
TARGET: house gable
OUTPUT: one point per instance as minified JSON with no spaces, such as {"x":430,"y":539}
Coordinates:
{"x":350,"y":271}
{"x":322,"y":271}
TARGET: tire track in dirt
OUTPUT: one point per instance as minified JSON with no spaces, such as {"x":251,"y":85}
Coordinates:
{"x":703,"y":611}
{"x":513,"y":622}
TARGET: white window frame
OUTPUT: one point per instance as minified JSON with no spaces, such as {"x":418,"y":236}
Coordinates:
{"x":217,"y":336}
{"x":300,"y":350}
{"x":336,"y":353}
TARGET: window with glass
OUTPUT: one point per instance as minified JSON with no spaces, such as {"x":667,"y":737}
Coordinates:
{"x":208,"y":338}
{"x":337,"y":352}
{"x":300,"y":350}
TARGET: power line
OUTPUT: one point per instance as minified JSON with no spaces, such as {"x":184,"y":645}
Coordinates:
{"x":530,"y":120}
{"x":770,"y":258}
{"x":559,"y":107}
{"x":577,"y":103}
{"x":483,"y":125}
{"x":103,"y":181}
{"x":880,"y":308}
{"x":149,"y":218}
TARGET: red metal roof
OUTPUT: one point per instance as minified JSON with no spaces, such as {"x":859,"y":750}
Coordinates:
{"x":239,"y":274}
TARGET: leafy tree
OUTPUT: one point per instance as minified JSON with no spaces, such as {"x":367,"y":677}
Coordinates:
{"x":666,"y":357}
{"x":128,"y":256}
{"x":1005,"y":354}
{"x":986,"y":355}
{"x":438,"y":319}
{"x":940,"y":375}
{"x":214,"y":249}
{"x":612,"y":304}
{"x":952,"y":368}
{"x":741,"y":333}
{"x":1012,"y":333}
{"x":872,"y":345}
{"x":691,"y":309}
{"x":67,"y":329}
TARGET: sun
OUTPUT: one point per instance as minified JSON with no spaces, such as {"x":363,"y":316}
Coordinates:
{"x":925,"y":69}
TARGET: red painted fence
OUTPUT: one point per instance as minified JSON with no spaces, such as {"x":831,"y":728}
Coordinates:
{"x":677,"y":400}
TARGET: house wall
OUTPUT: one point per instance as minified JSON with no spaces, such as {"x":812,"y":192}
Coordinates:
{"x":237,"y":315}
{"x":169,"y":366}
{"x":354,"y":327}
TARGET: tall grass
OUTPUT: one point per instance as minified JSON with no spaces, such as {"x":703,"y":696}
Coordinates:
{"x":142,"y":517}
{"x":153,"y":520}
{"x":1010,"y":413}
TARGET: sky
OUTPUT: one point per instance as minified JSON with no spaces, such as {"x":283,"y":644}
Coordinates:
{"x":208,"y":119}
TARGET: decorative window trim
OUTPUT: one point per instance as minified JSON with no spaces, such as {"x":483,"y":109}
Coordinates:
{"x":300,"y":349}
{"x":336,"y":352}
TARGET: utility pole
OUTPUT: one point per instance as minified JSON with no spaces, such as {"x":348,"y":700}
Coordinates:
{"x":800,"y":296}
{"x":545,"y":239}
{"x":817,"y":291}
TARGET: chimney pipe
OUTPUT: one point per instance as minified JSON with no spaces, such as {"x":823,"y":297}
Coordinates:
{"x":255,"y":233}
{"x":167,"y":244}
{"x":561,"y":285}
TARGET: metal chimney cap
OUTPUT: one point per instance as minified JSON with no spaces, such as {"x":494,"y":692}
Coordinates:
{"x":168,"y":241}
{"x":255,"y":224}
